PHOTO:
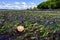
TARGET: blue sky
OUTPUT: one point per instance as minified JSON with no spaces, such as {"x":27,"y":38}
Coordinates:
{"x":19,"y":4}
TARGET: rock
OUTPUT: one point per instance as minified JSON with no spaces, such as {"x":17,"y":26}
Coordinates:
{"x":20,"y":28}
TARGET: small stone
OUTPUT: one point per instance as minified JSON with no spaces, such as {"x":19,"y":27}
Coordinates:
{"x":20,"y":28}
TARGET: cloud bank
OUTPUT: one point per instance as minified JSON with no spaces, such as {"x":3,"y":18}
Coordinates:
{"x":17,"y":5}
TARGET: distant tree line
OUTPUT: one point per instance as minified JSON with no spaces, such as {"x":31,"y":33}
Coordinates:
{"x":49,"y":4}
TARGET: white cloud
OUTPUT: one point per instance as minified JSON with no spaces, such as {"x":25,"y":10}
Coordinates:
{"x":32,"y":3}
{"x":12,"y":7}
{"x":17,"y":2}
{"x":22,"y":5}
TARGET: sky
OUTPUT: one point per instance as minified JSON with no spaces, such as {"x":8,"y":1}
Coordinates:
{"x":19,"y":4}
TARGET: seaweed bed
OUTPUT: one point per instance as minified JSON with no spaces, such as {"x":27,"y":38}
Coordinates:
{"x":38,"y":25}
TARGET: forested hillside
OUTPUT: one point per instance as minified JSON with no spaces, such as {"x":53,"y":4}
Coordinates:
{"x":49,"y":4}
